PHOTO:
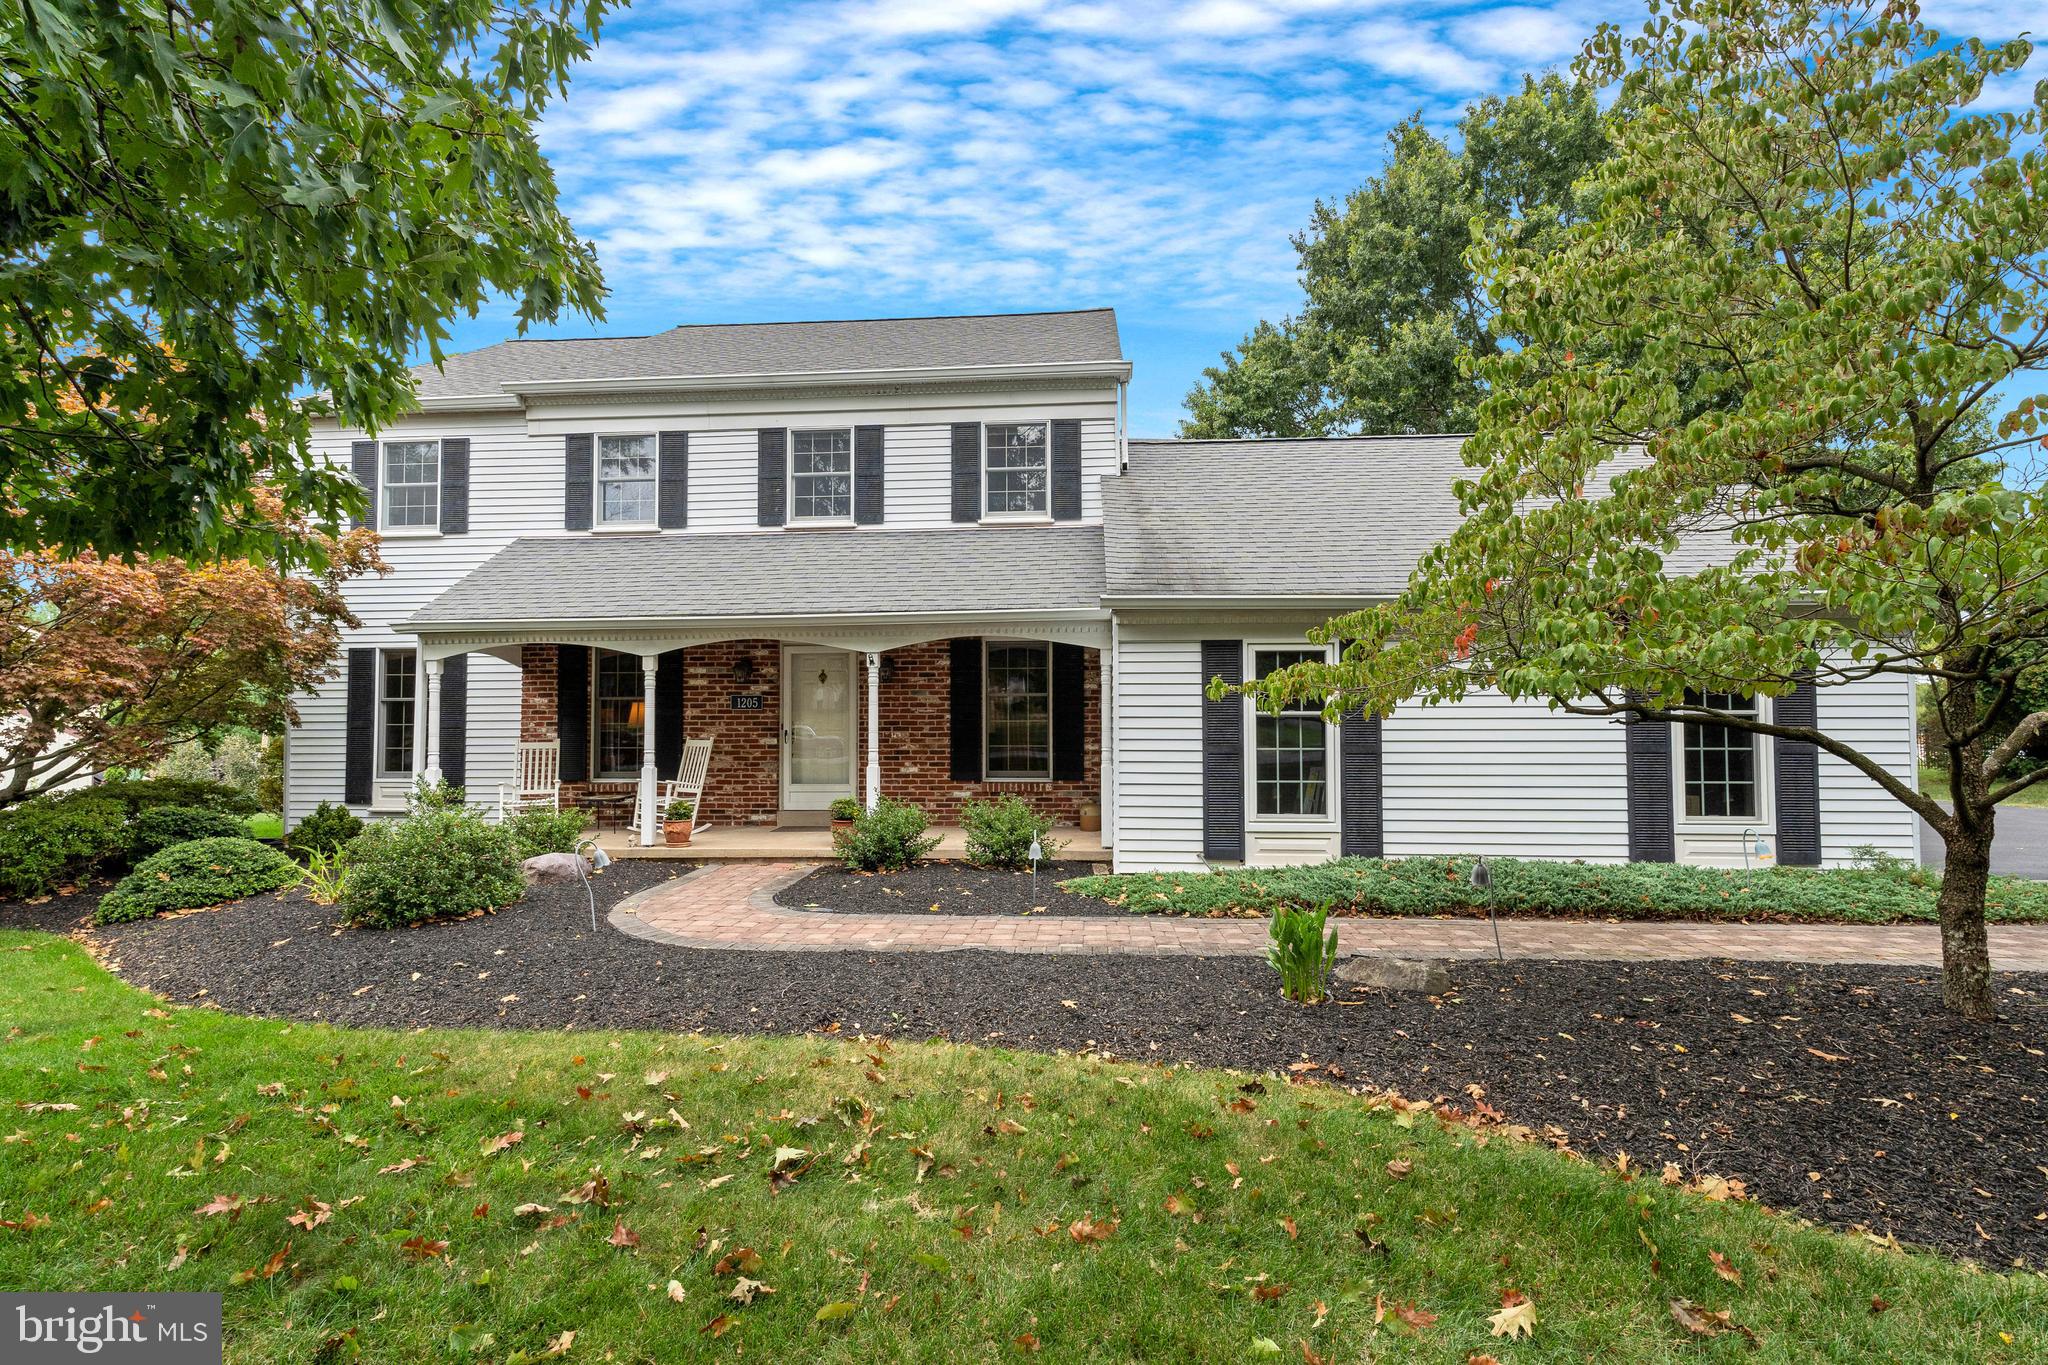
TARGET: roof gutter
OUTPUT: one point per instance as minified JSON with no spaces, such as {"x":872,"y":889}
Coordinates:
{"x":661,"y":623}
{"x":1110,"y":370}
{"x":1185,"y":601}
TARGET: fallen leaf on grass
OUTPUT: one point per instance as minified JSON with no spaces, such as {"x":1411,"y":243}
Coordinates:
{"x":1026,"y":1343}
{"x":1399,"y":1168}
{"x":502,"y":1141}
{"x":532,"y":1210}
{"x":1407,"y":1313}
{"x":1004,"y":1127}
{"x":1087,"y":1229}
{"x":399,"y":1167}
{"x":268,"y":1268}
{"x":833,"y":1312}
{"x":419,"y":1248}
{"x":740,"y":1260}
{"x":1701,"y":1322}
{"x":1722,"y":1268}
{"x":745,"y":1290}
{"x":623,"y":1236}
{"x":311,"y":1215}
{"x":229,"y":1204}
{"x":789,"y":1163}
{"x":1288,"y":1223}
{"x":675,"y":1291}
{"x":1516,"y":1318}
{"x":1267,"y":1293}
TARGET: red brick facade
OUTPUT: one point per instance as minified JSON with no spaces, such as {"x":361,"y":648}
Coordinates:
{"x":745,"y":782}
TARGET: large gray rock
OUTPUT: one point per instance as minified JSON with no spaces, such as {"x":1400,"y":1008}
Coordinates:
{"x":552,"y":869}
{"x":1426,"y":975}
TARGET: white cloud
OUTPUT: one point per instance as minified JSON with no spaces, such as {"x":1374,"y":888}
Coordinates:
{"x":1521,"y":33}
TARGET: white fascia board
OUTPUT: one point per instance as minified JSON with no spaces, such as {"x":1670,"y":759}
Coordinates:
{"x":1238,"y":601}
{"x":689,"y":383}
{"x":686,"y":623}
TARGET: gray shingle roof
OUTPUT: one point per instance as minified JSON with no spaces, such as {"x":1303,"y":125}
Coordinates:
{"x":1343,"y":517}
{"x":776,"y":573}
{"x":784,"y":348}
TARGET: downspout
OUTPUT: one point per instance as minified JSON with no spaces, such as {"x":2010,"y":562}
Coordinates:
{"x":1123,"y":426}
{"x":1110,"y":808}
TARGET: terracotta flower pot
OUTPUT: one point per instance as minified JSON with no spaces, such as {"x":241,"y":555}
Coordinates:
{"x":675,"y":833}
{"x":839,"y":825}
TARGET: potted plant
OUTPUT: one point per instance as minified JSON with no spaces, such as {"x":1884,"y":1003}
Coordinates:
{"x":845,"y":811}
{"x":677,"y":821}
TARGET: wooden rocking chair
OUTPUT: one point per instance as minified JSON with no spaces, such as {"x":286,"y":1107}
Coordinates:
{"x":688,"y":784}
{"x":540,"y":781}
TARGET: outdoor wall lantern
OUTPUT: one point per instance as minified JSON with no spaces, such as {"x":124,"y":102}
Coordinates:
{"x":743,"y":669}
{"x":888,"y":669}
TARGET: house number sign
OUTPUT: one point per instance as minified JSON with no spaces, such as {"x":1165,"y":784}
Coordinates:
{"x":745,"y":701}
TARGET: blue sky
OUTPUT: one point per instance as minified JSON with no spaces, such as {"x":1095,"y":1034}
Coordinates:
{"x":864,"y":158}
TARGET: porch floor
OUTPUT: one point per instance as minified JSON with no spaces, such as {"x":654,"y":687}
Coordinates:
{"x":743,"y":842}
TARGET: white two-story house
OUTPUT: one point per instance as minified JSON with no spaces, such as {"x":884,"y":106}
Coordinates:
{"x":921,"y":558}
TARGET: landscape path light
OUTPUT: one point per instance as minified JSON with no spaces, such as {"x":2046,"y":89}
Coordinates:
{"x":600,"y":860}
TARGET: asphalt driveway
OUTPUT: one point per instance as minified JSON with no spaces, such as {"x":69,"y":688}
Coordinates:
{"x":2019,"y":847}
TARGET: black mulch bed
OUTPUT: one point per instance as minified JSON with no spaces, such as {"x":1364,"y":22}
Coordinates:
{"x":54,"y":914}
{"x":1913,"y":1124}
{"x":945,"y":888}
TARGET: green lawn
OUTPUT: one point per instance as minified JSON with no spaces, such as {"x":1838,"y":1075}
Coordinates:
{"x":474,"y":1196}
{"x":266,"y":825}
{"x":1935,"y":783}
{"x":1539,"y":887}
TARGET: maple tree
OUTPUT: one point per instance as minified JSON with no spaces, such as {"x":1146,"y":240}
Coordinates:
{"x":1794,"y":325}
{"x":109,"y":664}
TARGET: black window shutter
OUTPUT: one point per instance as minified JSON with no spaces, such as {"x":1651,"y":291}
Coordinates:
{"x":1066,"y":469}
{"x":867,"y":476}
{"x":668,"y":714}
{"x":966,"y":709}
{"x":673,"y":499}
{"x":455,"y":720}
{"x":359,"y":755}
{"x":1223,"y":755}
{"x":1069,"y":715}
{"x":1650,"y":835}
{"x":572,"y":711}
{"x":1796,"y":769}
{"x":1364,"y":813}
{"x":363,"y":456}
{"x":578,"y":474}
{"x":455,"y":488}
{"x":967,"y":471}
{"x":774,"y":471}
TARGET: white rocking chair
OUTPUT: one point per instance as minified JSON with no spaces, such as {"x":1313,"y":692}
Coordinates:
{"x":540,"y":781}
{"x":688,"y":784}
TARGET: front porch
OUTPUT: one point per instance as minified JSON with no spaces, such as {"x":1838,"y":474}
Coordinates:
{"x":749,"y":843}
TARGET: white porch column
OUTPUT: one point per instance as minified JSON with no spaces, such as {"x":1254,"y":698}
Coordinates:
{"x":650,"y":782}
{"x":430,"y":724}
{"x":1105,"y":661}
{"x":874,"y":773}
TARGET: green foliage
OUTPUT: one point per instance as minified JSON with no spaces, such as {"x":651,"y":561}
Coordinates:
{"x":49,"y":840}
{"x":161,"y":826}
{"x":326,"y":876}
{"x":440,"y":860}
{"x":1303,"y":952}
{"x":999,"y":833}
{"x":539,"y":831}
{"x":326,"y":828}
{"x":212,"y":215}
{"x":435,"y":796}
{"x":234,"y":758}
{"x":1538,"y":887}
{"x":846,"y":808}
{"x":680,"y":809}
{"x":140,"y":794}
{"x":200,"y":873}
{"x":1393,"y":311}
{"x":885,"y":839}
{"x":270,"y":774}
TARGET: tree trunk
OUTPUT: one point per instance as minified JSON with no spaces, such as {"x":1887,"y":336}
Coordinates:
{"x":1965,"y":952}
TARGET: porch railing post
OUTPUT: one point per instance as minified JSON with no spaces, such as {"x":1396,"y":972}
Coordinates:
{"x":874,"y":773}
{"x":430,"y":766}
{"x":650,"y":781}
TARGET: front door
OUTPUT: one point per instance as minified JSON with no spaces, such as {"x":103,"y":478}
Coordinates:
{"x":817,"y":727}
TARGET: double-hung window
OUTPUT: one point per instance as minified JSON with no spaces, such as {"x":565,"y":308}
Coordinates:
{"x":1723,"y":775}
{"x":1017,"y":470}
{"x":396,"y":692}
{"x":619,"y":703}
{"x":1018,"y":676}
{"x":821,"y":475}
{"x":1290,"y":750}
{"x":412,"y":486}
{"x":625,"y":480}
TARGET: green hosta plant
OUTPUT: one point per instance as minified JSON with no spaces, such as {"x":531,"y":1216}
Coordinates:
{"x":1304,"y":953}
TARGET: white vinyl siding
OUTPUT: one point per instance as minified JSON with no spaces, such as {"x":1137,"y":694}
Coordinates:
{"x":1875,"y":716}
{"x":1509,"y":778}
{"x":1158,"y":780}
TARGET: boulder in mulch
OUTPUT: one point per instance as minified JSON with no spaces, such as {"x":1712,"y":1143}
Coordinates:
{"x":1424,"y":974}
{"x":552,"y":869}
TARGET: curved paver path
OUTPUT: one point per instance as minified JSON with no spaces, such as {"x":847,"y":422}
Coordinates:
{"x":731,"y":906}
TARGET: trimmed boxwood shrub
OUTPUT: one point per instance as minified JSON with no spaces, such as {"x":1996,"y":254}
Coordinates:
{"x":999,"y":833}
{"x":436,"y":862}
{"x":52,"y":839}
{"x":159,"y":827}
{"x":890,"y":836}
{"x":535,"y":832}
{"x":1529,"y":886}
{"x":190,"y":875}
{"x":325,"y":828}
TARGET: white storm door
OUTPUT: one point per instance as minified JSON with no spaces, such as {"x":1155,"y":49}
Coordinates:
{"x":818,"y":736}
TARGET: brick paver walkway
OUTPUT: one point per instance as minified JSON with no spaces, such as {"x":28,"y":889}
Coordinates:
{"x":730,"y":906}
